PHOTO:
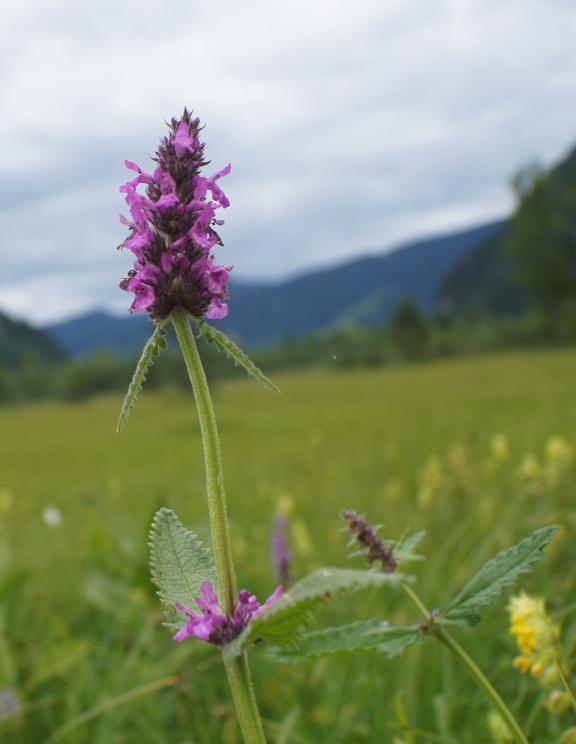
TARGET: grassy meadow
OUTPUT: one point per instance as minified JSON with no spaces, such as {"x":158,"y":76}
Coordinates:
{"x":460,"y":449}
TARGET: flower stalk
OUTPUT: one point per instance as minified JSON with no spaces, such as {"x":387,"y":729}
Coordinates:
{"x":442,"y":635}
{"x":377,"y":551}
{"x":237,"y":670}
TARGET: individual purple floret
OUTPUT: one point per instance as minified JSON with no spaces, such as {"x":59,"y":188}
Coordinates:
{"x":213,"y":626}
{"x":368,"y":539}
{"x":172,"y":229}
{"x":280,"y":550}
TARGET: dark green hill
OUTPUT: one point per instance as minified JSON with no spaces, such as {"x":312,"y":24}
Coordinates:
{"x":484,"y":282}
{"x":20,"y":344}
{"x":99,"y":331}
{"x":364,"y":292}
{"x":531,"y":260}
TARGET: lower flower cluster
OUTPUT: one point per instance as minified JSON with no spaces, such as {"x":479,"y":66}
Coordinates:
{"x":212,"y":625}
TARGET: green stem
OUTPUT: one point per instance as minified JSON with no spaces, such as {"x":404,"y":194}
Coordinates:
{"x":444,"y":637}
{"x":237,"y":670}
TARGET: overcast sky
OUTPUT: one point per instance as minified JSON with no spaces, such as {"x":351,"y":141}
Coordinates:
{"x":350,"y":127}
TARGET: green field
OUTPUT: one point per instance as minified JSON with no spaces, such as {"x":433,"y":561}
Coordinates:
{"x":80,"y":627}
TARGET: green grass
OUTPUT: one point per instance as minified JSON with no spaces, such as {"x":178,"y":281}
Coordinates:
{"x":79,"y":623}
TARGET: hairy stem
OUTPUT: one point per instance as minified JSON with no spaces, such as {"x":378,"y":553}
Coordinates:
{"x":442,"y":635}
{"x":212,"y":463}
{"x":237,"y":670}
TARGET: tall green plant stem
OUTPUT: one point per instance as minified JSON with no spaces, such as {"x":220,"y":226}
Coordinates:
{"x":237,"y":670}
{"x":442,"y":635}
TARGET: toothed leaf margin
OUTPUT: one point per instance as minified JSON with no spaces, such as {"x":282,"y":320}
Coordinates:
{"x":368,"y":635}
{"x":286,"y":620}
{"x":494,"y":576}
{"x":155,"y":344}
{"x":179,"y":564}
{"x":233,"y":351}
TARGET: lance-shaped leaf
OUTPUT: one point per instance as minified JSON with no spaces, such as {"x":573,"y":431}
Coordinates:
{"x":405,"y":550}
{"x":233,"y":351}
{"x":286,"y":620}
{"x":495,"y":576}
{"x":155,"y":344}
{"x":368,"y":635}
{"x":179,"y":563}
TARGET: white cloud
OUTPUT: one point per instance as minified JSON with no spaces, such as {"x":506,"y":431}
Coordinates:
{"x":349,"y":126}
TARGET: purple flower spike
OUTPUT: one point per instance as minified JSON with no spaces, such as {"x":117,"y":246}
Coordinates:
{"x":212,"y":625}
{"x":172,"y":229}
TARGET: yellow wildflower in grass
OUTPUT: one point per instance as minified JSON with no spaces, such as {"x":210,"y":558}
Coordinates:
{"x":500,"y":449}
{"x":537,"y":638}
{"x":458,"y":464}
{"x":558,"y":450}
{"x":431,"y":481}
{"x":530,"y":474}
{"x":559,"y":456}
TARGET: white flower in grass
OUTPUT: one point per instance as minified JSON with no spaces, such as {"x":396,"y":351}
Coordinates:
{"x":52,"y":515}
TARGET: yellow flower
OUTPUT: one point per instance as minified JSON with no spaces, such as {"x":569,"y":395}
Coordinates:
{"x":558,"y":450}
{"x":500,"y":449}
{"x":530,"y":474}
{"x":537,"y":638}
{"x":431,"y":481}
{"x":522,"y":663}
{"x":559,"y":456}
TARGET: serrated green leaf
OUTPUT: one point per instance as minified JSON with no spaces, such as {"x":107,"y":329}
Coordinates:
{"x":152,"y":348}
{"x":179,"y":563}
{"x":495,"y":576}
{"x":368,"y":635}
{"x":286,"y":620}
{"x":234,"y":352}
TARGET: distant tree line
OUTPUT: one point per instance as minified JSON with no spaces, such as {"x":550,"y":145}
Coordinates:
{"x":409,"y":337}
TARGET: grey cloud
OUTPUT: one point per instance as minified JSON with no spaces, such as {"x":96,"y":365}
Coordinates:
{"x":350,"y":128}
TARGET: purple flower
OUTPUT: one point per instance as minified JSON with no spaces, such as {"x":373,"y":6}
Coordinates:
{"x":367,"y":537}
{"x":281,"y":553}
{"x":172,"y":229}
{"x":211,"y":625}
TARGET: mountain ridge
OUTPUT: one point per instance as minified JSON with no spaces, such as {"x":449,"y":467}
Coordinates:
{"x":364,"y":292}
{"x":21,"y":343}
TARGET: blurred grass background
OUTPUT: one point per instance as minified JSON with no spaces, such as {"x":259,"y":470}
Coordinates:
{"x":413,"y":447}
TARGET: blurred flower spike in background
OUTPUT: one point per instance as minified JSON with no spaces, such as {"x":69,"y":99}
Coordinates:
{"x":172,"y":229}
{"x":500,"y":448}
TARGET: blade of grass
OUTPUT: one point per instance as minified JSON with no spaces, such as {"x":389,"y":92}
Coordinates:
{"x":108,"y":704}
